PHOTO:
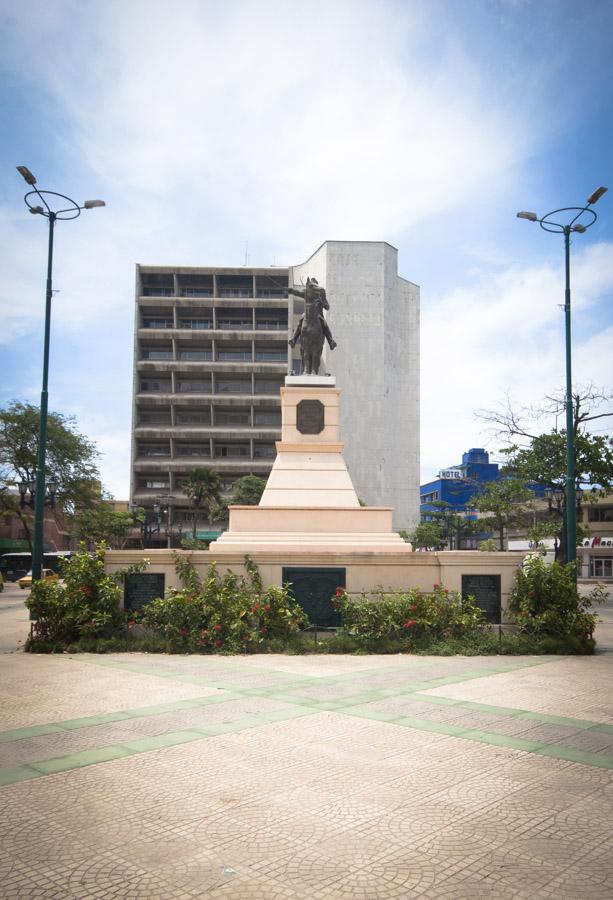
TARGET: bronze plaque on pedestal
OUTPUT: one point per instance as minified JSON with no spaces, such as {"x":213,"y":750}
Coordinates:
{"x":310,"y":417}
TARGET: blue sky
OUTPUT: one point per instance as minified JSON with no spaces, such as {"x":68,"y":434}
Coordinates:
{"x":205,"y":126}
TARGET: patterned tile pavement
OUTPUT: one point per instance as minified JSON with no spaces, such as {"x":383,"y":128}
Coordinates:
{"x":146,"y":776}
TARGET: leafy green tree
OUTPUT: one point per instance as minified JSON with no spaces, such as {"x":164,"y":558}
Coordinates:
{"x":427,"y":536}
{"x":203,"y":488}
{"x":505,"y":504}
{"x":540,"y":457}
{"x":70,"y":460}
{"x":453,"y":525}
{"x":248,"y":490}
{"x":101,"y":524}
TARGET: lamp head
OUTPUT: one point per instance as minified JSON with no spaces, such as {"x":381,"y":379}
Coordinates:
{"x":92,"y":204}
{"x":579,"y":228}
{"x":531,"y":216}
{"x":26,"y":174}
{"x":37,"y":210}
{"x":593,"y":198}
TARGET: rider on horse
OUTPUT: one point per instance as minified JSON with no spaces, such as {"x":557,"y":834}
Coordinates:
{"x":318,"y":294}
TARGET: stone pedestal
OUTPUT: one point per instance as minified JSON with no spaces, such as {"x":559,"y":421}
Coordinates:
{"x":310,"y":501}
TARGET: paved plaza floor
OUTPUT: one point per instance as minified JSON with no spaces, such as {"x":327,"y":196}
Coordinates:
{"x":151,"y":776}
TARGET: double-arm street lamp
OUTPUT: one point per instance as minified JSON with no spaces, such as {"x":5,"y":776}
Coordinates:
{"x":150,"y":522}
{"x":581,"y":218}
{"x":70,"y":210}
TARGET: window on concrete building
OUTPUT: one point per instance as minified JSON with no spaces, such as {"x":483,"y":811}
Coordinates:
{"x":197,"y":354}
{"x":155,"y":484}
{"x":233,"y":385}
{"x":197,"y":292}
{"x":268,"y":385}
{"x":234,"y":354}
{"x":195,"y":324}
{"x":601,"y":567}
{"x":157,"y":323}
{"x":182,"y":449}
{"x":264,"y":451}
{"x":231,"y":451}
{"x":193,"y":417}
{"x":196,"y":386}
{"x":232,"y":417}
{"x":154,"y":417}
{"x":267,"y":417}
{"x":157,"y":292}
{"x":600,"y":513}
{"x":234,"y":323}
{"x":271,"y":354}
{"x":155,"y":386}
{"x":156,"y":353}
{"x":154,"y":449}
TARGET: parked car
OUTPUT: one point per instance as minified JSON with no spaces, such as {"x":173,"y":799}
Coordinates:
{"x":26,"y":581}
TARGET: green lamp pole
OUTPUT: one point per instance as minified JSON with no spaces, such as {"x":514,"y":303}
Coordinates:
{"x":547,"y":222}
{"x":71,"y":211}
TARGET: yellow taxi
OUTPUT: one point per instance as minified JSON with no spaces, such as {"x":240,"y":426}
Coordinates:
{"x":26,"y":581}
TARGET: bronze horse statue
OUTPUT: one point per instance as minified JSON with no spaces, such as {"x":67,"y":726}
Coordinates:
{"x":312,"y":327}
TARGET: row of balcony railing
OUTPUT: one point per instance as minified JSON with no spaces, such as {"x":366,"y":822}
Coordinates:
{"x":221,"y":354}
{"x":212,"y":417}
{"x":204,"y":385}
{"x":229,"y":293}
{"x":207,"y":324}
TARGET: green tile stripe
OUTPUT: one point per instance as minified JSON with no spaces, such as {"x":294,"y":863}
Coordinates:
{"x":30,"y":731}
{"x":513,"y":712}
{"x":176,"y":675}
{"x":84,"y":758}
{"x":510,"y":742}
{"x":289,"y":692}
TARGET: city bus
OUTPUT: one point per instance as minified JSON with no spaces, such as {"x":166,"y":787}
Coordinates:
{"x":15,"y":565}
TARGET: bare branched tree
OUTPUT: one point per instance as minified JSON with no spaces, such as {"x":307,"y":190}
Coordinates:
{"x":513,"y":423}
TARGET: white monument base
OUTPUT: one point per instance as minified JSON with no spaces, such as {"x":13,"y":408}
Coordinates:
{"x":310,"y":501}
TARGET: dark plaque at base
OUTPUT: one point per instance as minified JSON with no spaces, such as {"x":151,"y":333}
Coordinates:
{"x":314,"y":589}
{"x":487,"y":592}
{"x":310,"y":417}
{"x":141,"y":588}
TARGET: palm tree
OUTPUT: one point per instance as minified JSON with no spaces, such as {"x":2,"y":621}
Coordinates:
{"x":203,"y":488}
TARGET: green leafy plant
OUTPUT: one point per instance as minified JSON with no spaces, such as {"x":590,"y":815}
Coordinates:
{"x":410,"y":617}
{"x":221,"y":613}
{"x":86,"y":602}
{"x":545,"y":602}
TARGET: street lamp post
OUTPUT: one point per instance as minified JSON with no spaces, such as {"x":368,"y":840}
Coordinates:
{"x":72,"y":211}
{"x":548,"y":223}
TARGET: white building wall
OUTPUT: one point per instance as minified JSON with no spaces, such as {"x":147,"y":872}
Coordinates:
{"x":374,"y":316}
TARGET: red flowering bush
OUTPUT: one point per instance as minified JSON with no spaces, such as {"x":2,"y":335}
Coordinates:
{"x":221,"y":613}
{"x":86,"y":602}
{"x":412,"y":617}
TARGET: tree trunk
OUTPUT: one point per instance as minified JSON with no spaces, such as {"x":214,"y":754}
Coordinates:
{"x":24,"y":523}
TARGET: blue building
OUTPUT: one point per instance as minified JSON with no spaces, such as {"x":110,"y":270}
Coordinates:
{"x":457,"y":485}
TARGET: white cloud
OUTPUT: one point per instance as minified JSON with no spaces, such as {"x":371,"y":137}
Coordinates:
{"x":505,"y":334}
{"x":206,"y":124}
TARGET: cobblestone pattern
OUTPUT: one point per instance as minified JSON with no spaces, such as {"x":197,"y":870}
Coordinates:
{"x":301,"y":778}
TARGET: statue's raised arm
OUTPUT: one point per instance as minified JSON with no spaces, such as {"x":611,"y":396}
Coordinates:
{"x":296,"y":292}
{"x":312,"y":327}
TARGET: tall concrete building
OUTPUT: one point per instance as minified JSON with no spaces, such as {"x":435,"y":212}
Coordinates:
{"x":211,"y":353}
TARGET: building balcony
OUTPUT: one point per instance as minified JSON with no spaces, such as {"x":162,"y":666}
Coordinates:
{"x":223,"y":335}
{"x":193,"y":303}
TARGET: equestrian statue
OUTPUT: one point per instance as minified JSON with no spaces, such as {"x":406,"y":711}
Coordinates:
{"x":312,"y":327}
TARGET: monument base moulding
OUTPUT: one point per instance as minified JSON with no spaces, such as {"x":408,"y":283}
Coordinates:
{"x":310,"y":501}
